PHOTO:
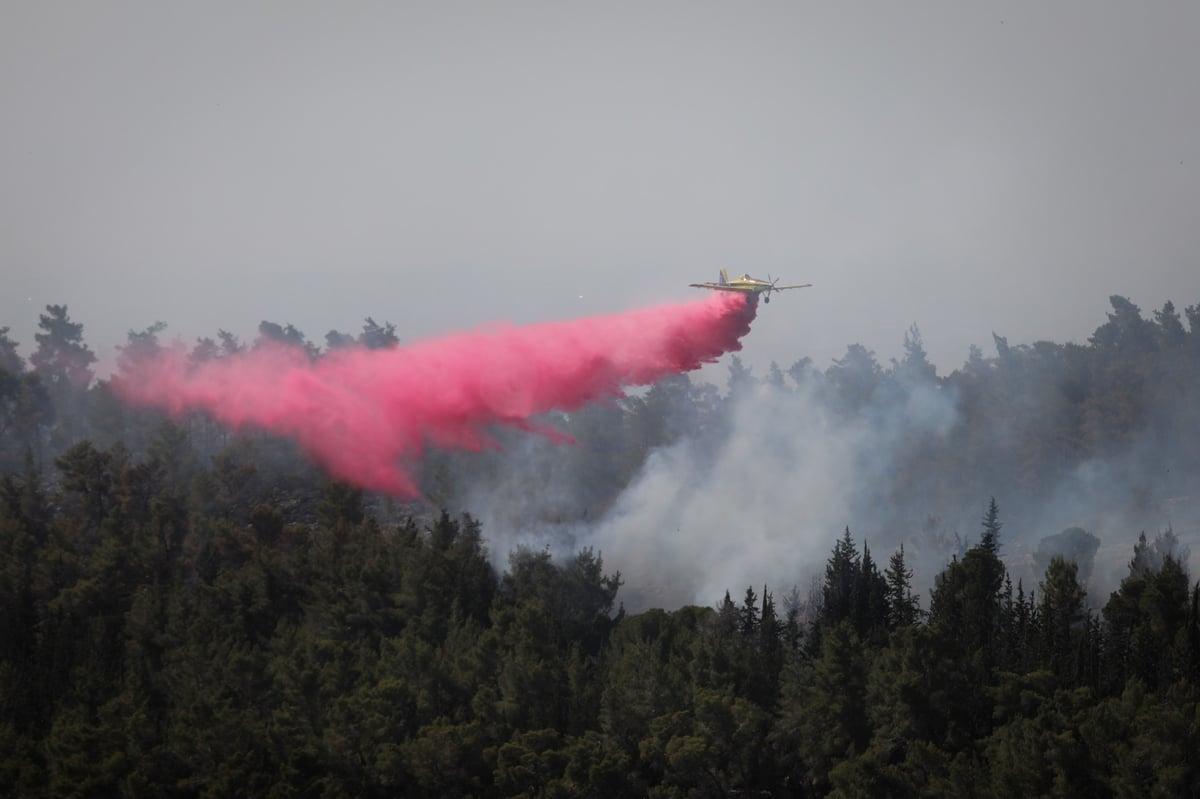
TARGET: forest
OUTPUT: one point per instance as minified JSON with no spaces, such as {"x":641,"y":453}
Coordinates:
{"x":187,"y":611}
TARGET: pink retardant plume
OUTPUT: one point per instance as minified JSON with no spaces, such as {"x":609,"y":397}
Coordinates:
{"x":367,"y":414}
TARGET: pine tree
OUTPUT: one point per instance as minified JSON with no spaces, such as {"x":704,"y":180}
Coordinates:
{"x":727,"y":615}
{"x":63,"y":363}
{"x":764,"y":686}
{"x":343,"y":503}
{"x":61,"y":357}
{"x":378,"y":337}
{"x":990,"y":541}
{"x":871,"y":596}
{"x":1062,"y":614}
{"x":903,"y":605}
{"x":748,"y":614}
{"x":10,"y":360}
{"x":841,"y":577}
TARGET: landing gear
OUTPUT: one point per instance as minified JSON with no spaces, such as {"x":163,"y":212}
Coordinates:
{"x":767,"y":298}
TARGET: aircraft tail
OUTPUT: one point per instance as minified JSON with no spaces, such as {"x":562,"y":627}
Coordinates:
{"x":724,"y":278}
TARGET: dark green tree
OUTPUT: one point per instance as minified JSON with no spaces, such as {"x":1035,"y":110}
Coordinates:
{"x":1144,"y":616}
{"x":286,"y":335}
{"x":1074,"y":544}
{"x":842,"y":572}
{"x":10,"y":360}
{"x":63,"y":363}
{"x":343,"y":503}
{"x":748,"y":613}
{"x":870,"y":596}
{"x":914,"y":368}
{"x":990,"y":540}
{"x":903,"y":606}
{"x":61,"y":358}
{"x":378,"y":337}
{"x":1125,"y":331}
{"x":1171,"y":335}
{"x":823,"y":712}
{"x":853,"y":379}
{"x":1062,"y":616}
{"x":337,"y":340}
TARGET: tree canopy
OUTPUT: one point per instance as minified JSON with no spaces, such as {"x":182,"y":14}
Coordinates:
{"x":189,"y":612}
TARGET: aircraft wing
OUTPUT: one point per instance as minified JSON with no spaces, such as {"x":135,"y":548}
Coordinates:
{"x":796,"y":286}
{"x":714,"y":287}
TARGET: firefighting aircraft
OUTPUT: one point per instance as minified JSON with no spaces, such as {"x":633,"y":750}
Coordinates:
{"x":750,"y":286}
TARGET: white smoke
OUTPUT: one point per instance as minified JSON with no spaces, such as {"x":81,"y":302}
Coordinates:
{"x":763,"y":499}
{"x":765,"y":506}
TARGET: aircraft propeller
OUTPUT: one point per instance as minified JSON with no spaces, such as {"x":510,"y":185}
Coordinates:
{"x":767,"y":293}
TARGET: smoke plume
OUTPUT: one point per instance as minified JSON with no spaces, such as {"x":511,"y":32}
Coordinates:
{"x":367,"y":415}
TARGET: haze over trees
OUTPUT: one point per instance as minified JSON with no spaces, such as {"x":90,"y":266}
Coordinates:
{"x":189,"y":612}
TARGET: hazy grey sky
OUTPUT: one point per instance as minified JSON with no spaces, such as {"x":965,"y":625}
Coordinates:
{"x":971,"y":167}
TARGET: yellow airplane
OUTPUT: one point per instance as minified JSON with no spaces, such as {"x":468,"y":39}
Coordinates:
{"x":750,"y":286}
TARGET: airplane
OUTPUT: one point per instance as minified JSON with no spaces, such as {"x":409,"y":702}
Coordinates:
{"x":750,"y":286}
